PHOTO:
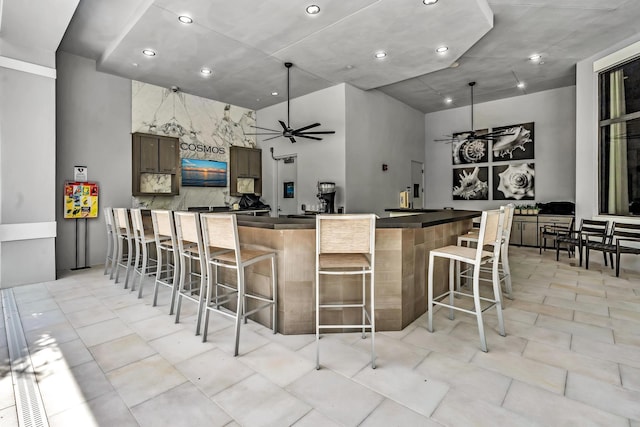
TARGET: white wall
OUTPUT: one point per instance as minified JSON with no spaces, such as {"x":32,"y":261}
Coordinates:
{"x":553,"y":112}
{"x":587,"y":132}
{"x":27,"y":177}
{"x":317,"y":160}
{"x":93,"y":130}
{"x":587,"y":143}
{"x":380,"y":129}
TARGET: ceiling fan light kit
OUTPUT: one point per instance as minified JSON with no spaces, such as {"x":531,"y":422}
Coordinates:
{"x":473,"y":135}
{"x":287,"y":130}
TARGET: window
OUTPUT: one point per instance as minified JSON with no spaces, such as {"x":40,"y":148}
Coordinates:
{"x":619,"y":192}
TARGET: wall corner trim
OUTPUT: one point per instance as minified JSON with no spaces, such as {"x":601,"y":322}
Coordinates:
{"x":27,"y":231}
{"x":616,"y":58}
{"x":27,"y":67}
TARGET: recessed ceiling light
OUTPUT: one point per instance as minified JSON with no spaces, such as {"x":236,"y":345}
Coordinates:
{"x":185,"y":19}
{"x":149,"y":52}
{"x":429,"y":2}
{"x":448,"y":100}
{"x":274,"y":93}
{"x":381,"y":54}
{"x":535,"y":57}
{"x":206,"y":71}
{"x":313,"y":9}
{"x":442,"y":49}
{"x":521,"y":85}
{"x":135,"y":64}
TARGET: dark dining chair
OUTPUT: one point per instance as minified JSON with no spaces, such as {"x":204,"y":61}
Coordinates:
{"x":593,"y":230}
{"x":623,"y":239}
{"x":551,"y":232}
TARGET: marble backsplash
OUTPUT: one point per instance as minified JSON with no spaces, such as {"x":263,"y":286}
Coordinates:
{"x":155,"y":183}
{"x":206,"y":129}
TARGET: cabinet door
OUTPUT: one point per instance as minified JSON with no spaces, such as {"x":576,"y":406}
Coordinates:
{"x":516,"y":233}
{"x":243,"y":165}
{"x":148,"y":154}
{"x":530,"y":234}
{"x":167,"y":155}
{"x":255,"y":163}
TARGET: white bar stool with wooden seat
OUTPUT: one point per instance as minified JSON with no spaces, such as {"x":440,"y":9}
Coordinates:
{"x":143,"y":265}
{"x":112,"y":243}
{"x":503,"y":268}
{"x":193,"y":273}
{"x":345,"y":245}
{"x":222,"y":250}
{"x":168,"y":262}
{"x":490,"y":233}
{"x":123,"y":231}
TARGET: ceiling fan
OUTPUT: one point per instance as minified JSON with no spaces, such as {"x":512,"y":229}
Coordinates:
{"x":474,"y":135}
{"x":287,"y":131}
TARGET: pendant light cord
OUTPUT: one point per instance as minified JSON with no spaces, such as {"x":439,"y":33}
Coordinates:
{"x":472,"y":84}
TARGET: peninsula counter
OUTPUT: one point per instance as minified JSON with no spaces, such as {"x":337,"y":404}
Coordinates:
{"x":402,"y":247}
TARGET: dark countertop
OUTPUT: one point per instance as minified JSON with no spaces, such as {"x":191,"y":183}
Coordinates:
{"x":427,"y":219}
{"x":413,"y":210}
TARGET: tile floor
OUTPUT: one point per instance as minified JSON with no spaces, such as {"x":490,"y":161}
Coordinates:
{"x":104,"y":357}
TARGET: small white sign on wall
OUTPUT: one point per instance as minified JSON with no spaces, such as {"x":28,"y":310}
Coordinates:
{"x":80,"y":174}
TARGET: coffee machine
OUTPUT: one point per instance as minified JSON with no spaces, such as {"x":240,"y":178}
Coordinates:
{"x":327,"y":196}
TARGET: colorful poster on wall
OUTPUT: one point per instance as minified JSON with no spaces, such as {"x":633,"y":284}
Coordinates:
{"x":81,"y":200}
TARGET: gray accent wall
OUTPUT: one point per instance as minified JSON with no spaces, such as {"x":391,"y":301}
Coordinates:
{"x":27,"y":177}
{"x":587,"y":144}
{"x":371,"y":129}
{"x":317,"y":160}
{"x":380,"y":130}
{"x":93,"y":130}
{"x":554,"y":114}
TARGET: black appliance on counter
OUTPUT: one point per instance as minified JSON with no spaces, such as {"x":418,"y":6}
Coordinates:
{"x":252,"y":201}
{"x":557,"y":208}
{"x":327,"y":196}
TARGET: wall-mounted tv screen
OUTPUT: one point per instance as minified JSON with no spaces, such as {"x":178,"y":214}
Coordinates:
{"x":204,"y":173}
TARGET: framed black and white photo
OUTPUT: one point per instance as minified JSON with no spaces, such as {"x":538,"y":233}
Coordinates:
{"x":517,"y":142}
{"x":469,"y":150}
{"x":514,"y":182}
{"x":471,"y":183}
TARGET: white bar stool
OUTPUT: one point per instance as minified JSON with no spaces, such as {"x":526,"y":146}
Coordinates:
{"x":490,"y":233}
{"x":112,"y":243}
{"x":143,"y":239}
{"x":222,"y":250}
{"x":193,"y":274}
{"x":168,"y":270}
{"x":345,"y":245}
{"x":503,"y":268}
{"x":123,"y":231}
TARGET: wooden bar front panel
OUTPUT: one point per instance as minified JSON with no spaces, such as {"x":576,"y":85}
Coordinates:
{"x":401,"y":263}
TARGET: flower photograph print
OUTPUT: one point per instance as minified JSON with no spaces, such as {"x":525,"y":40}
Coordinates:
{"x":515,"y":144}
{"x":469,"y":148}
{"x":471,"y":183}
{"x":514,"y":182}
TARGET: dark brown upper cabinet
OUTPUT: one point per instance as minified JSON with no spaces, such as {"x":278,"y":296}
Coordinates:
{"x":155,"y":154}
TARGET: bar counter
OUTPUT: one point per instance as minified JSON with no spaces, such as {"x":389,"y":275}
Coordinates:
{"x":402,"y":247}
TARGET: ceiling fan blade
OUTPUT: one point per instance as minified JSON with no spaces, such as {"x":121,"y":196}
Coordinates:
{"x":271,"y":133}
{"x":322,"y":132}
{"x":273,"y":137}
{"x":284,"y":126}
{"x":309,"y":137}
{"x":292,"y":139}
{"x":307,"y":127}
{"x":272,"y":130}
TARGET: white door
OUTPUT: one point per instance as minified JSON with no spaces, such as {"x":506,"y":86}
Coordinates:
{"x":417,"y":184}
{"x":287,"y":186}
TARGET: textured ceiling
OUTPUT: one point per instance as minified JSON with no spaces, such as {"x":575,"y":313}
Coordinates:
{"x":246,"y":42}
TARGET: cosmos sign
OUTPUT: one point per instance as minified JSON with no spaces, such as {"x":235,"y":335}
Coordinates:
{"x":201,"y":148}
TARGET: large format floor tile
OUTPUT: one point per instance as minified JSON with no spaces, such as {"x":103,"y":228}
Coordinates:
{"x":103,"y":357}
